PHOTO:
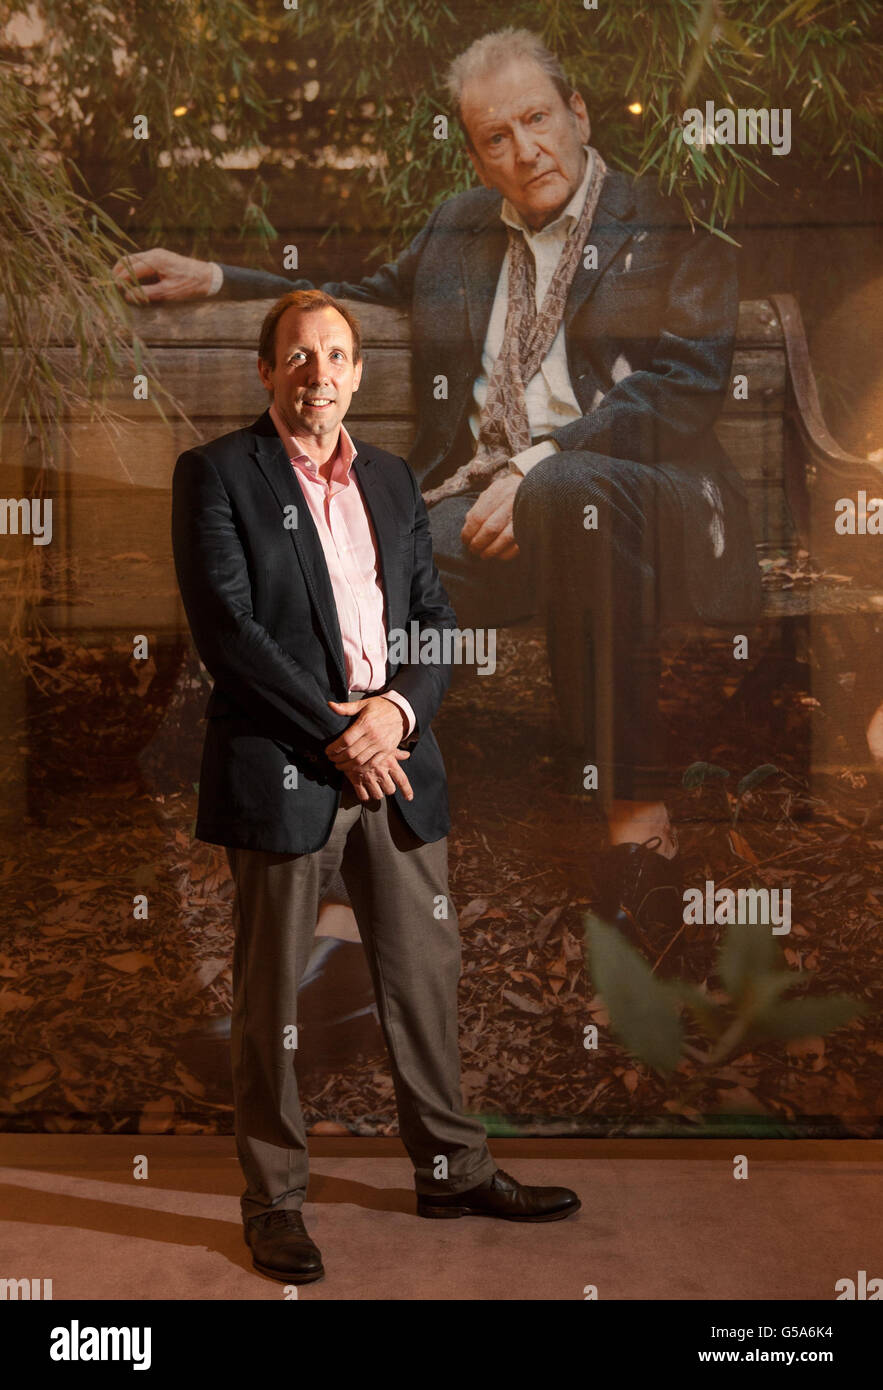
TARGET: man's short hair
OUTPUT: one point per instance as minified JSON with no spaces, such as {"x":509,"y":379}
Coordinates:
{"x":495,"y":51}
{"x":307,"y":301}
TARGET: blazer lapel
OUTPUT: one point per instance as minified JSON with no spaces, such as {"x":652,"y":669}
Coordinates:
{"x":273,"y":461}
{"x":607,"y":234}
{"x":481,"y":259}
{"x":275,"y":465}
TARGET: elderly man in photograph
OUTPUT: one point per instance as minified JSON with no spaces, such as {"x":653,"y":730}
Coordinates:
{"x":584,"y":334}
{"x":298,"y":548}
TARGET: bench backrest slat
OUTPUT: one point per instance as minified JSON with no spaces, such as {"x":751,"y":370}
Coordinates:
{"x":114,"y":486}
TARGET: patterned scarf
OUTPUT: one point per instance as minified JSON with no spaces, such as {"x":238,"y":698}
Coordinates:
{"x":504,"y":429}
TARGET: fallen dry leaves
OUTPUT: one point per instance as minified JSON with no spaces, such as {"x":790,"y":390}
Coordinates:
{"x":93,"y":1002}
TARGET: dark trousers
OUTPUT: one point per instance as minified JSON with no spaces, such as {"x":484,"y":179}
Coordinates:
{"x":596,"y":589}
{"x":399,"y":891}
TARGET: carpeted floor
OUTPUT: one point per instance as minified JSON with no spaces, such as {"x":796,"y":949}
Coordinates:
{"x":659,"y":1220}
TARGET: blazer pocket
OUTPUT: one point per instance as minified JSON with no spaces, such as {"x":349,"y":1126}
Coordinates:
{"x":642,"y":277}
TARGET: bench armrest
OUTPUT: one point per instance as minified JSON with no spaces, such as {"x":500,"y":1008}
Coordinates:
{"x":824,"y":451}
{"x":832,"y":465}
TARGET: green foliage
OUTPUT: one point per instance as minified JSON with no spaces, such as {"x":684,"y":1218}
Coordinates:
{"x":498,"y":1126}
{"x":747,"y":954}
{"x":642,"y":1013}
{"x":94,"y":67}
{"x":57,"y":246}
{"x":697,"y":774}
{"x":754,"y":779}
{"x":55,"y":250}
{"x":824,"y":63}
{"x":645,"y":1012}
{"x":260,"y":89}
{"x":73,"y":78}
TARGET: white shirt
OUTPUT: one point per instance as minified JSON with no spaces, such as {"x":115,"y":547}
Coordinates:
{"x":549,"y":395}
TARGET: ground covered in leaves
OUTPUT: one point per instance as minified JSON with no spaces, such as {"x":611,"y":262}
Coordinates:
{"x":98,"y":776}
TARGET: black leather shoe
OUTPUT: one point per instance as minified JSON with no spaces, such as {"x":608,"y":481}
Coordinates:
{"x":640,"y":891}
{"x":503,"y":1196}
{"x":282,"y":1249}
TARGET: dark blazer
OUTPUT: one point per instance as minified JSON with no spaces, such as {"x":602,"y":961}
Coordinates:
{"x":663,"y":303}
{"x":261,"y":609}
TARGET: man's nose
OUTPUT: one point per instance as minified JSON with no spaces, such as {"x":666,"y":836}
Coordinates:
{"x":319,"y":370}
{"x":526,"y":145}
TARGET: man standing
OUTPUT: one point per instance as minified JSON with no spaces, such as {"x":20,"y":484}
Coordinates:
{"x":297,"y":549}
{"x":584,"y":335}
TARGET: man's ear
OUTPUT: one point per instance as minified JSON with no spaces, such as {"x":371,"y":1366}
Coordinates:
{"x":578,"y":107}
{"x":357,"y":374}
{"x":265,"y":372}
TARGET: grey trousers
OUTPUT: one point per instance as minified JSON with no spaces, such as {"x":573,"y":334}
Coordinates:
{"x":399,"y":891}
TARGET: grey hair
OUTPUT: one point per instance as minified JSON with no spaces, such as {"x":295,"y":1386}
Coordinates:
{"x":494,"y":51}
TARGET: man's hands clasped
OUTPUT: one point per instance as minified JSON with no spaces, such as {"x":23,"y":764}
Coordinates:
{"x":367,"y":752}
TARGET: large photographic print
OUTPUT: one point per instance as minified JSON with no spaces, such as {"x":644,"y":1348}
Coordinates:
{"x":611,"y":281}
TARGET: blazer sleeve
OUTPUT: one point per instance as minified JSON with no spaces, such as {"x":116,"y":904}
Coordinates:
{"x":392,"y":284}
{"x":424,"y":684}
{"x":655,"y":413}
{"x":245,"y":661}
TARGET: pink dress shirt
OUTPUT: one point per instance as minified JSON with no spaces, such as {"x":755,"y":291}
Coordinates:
{"x":350,"y":548}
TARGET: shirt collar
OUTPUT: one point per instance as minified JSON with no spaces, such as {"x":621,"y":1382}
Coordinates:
{"x":343,"y":459}
{"x":571,"y":211}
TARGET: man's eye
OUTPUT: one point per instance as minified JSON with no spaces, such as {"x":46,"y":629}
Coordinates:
{"x":538,"y":116}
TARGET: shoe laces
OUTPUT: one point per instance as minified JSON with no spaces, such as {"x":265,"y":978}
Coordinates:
{"x":655,"y":841}
{"x":281,"y":1217}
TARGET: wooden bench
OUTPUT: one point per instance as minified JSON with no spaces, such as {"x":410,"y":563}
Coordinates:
{"x":112,"y":490}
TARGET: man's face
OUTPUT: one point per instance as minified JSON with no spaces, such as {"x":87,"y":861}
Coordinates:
{"x":527,"y":143}
{"x":315,"y":376}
